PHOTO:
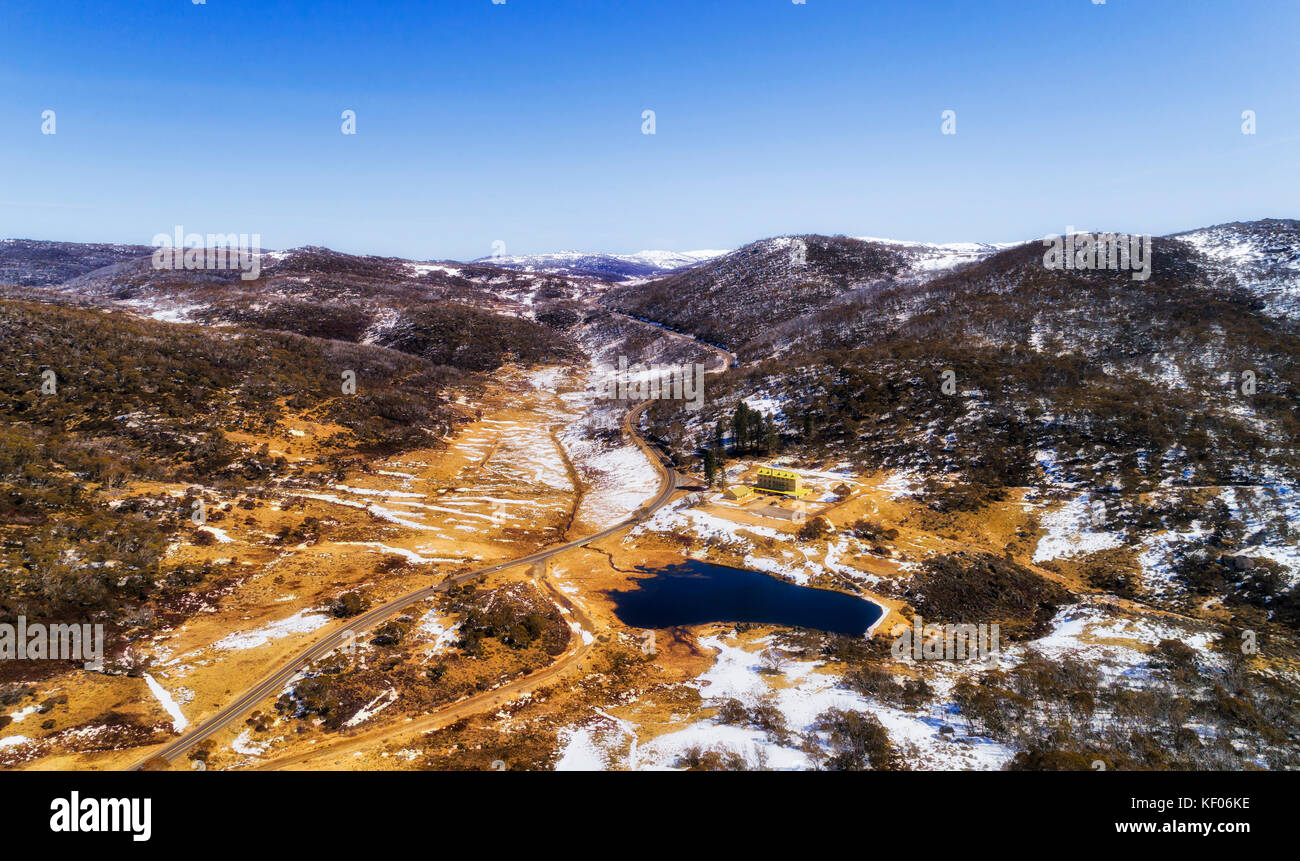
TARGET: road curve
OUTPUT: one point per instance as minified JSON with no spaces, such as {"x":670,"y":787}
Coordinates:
{"x":342,"y":635}
{"x":729,"y":359}
{"x":492,"y":699}
{"x":449,"y":713}
{"x":346,"y":629}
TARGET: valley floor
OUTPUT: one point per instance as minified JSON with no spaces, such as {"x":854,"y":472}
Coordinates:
{"x":543,"y":463}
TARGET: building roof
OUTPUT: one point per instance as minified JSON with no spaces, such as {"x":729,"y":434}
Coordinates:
{"x":779,"y":473}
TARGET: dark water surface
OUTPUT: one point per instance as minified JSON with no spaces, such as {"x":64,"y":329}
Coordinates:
{"x":696,"y":593}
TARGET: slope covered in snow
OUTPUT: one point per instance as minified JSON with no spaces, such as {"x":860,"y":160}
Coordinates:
{"x":606,"y":267}
{"x":1263,"y":256}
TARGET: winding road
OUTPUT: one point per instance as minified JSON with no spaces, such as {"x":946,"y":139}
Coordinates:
{"x":345,"y":631}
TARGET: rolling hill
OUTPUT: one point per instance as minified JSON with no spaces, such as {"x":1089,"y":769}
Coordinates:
{"x":604,"y":267}
{"x":741,"y":297}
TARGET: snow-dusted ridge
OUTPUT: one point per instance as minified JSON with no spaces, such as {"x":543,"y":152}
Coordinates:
{"x":952,"y":247}
{"x":660,"y":259}
{"x":611,"y":267}
{"x":934,"y":257}
{"x":1263,"y":255}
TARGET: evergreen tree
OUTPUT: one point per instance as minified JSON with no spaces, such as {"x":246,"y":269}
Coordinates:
{"x":771,"y":439}
{"x":740,"y":427}
{"x":754,"y":432}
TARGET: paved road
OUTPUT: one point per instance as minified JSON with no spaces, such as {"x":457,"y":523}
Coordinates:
{"x":445,"y":715}
{"x":496,"y":698}
{"x":346,"y":630}
{"x":729,"y":359}
{"x":343,"y":634}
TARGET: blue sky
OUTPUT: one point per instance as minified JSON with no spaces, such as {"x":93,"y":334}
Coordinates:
{"x":521,"y":121}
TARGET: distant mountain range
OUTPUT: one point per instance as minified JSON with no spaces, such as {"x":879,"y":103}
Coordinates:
{"x":37,"y":263}
{"x":607,"y":267}
{"x":733,"y":297}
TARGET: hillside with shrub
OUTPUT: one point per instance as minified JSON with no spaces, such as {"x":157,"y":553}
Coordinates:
{"x":92,"y":402}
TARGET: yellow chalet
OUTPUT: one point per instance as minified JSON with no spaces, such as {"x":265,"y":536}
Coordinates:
{"x":778,"y":480}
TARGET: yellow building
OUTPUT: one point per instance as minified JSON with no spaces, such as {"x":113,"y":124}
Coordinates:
{"x":738,"y":491}
{"x":778,"y":480}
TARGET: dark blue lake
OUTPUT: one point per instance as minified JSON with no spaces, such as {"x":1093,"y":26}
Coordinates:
{"x":696,"y":593}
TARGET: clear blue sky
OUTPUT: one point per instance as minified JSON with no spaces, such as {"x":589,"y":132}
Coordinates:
{"x":522,"y":121}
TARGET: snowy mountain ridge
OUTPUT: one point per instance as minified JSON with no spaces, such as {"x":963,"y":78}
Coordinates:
{"x":614,"y":267}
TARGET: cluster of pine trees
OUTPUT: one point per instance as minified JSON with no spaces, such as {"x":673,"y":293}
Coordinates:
{"x":752,"y":433}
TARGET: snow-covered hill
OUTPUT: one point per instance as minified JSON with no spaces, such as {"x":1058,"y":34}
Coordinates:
{"x":1263,"y":255}
{"x":935,"y":257}
{"x":751,"y":292}
{"x":607,"y":267}
{"x":38,"y":263}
